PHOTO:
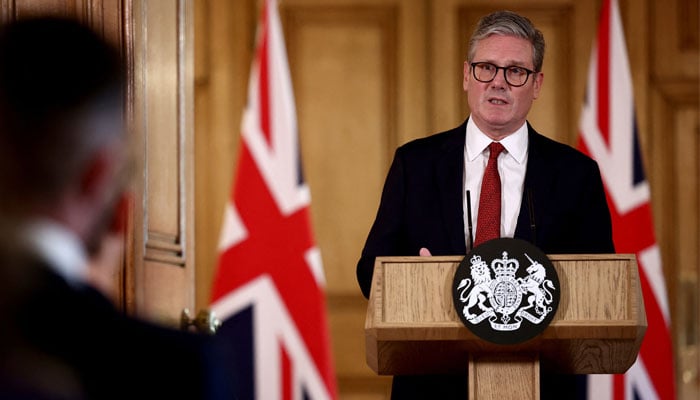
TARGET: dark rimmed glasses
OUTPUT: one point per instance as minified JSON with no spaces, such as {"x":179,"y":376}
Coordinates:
{"x":486,"y":72}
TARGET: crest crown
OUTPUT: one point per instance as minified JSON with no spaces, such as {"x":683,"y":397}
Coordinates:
{"x":505,"y":267}
{"x":477,"y":262}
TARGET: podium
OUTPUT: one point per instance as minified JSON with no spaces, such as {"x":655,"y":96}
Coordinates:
{"x":412,"y":328}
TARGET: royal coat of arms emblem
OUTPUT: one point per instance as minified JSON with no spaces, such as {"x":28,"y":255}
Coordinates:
{"x":506,"y":291}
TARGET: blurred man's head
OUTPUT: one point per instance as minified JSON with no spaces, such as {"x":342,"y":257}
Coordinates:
{"x":61,"y":125}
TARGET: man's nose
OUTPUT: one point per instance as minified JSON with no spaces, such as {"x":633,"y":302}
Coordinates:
{"x":499,"y":81}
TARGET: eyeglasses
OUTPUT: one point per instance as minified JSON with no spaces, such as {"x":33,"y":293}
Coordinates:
{"x":486,"y":72}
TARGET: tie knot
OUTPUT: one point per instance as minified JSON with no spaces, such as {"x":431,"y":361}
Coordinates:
{"x":495,"y":149}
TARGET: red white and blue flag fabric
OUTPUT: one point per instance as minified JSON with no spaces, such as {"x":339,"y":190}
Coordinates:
{"x":269,"y":285}
{"x":608,"y":133}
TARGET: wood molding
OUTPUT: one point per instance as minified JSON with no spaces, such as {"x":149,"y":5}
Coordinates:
{"x":674,"y":37}
{"x":679,"y":91}
{"x":369,"y":387}
{"x":173,"y":235}
{"x":165,"y":248}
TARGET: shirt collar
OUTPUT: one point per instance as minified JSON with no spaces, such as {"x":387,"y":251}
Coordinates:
{"x":59,"y":247}
{"x":477,"y":141}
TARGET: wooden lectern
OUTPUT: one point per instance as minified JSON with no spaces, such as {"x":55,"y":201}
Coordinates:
{"x":412,"y":326}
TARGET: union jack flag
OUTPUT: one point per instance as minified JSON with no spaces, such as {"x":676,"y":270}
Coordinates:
{"x":608,"y":133}
{"x":269,"y":286}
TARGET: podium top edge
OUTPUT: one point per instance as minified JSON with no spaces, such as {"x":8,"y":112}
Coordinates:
{"x":553,"y":257}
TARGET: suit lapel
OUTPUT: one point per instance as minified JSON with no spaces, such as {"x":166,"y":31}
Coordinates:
{"x":449,"y":176}
{"x":538,"y":180}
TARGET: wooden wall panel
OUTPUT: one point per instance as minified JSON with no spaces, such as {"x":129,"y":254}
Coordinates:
{"x":162,"y":141}
{"x":676,"y":166}
{"x":344,"y":60}
{"x":161,"y":282}
{"x":676,"y":50}
{"x":225,"y":37}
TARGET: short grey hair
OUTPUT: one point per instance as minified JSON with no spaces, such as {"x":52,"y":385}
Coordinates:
{"x":508,"y":23}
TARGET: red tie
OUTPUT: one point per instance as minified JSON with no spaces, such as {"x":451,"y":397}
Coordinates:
{"x":488,"y":225}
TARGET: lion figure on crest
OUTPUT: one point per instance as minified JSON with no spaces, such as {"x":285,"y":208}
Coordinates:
{"x":481,"y":277}
{"x":536,"y":284}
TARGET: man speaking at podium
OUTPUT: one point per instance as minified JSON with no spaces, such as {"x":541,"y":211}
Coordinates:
{"x":496,"y":167}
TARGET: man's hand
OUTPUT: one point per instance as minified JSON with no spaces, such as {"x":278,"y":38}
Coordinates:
{"x":423,"y":252}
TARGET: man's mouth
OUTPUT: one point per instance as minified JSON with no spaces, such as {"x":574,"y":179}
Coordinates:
{"x":498,"y":102}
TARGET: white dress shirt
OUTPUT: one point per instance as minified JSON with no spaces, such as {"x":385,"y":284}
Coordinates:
{"x":512,"y":164}
{"x":60,"y":248}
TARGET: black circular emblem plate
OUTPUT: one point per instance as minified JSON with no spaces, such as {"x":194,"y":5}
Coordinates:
{"x":506,"y":291}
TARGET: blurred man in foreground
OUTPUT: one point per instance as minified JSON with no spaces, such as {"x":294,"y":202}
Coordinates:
{"x":63,"y":180}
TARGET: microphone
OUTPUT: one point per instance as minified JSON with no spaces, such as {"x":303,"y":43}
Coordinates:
{"x":531,"y":209}
{"x":469,"y":220}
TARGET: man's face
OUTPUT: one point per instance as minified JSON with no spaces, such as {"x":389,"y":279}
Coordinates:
{"x":498,"y":109}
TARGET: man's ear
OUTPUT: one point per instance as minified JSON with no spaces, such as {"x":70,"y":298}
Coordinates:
{"x":539,"y":79}
{"x":466,"y":75}
{"x":102,"y":188}
{"x":121,"y":213}
{"x":97,"y":175}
